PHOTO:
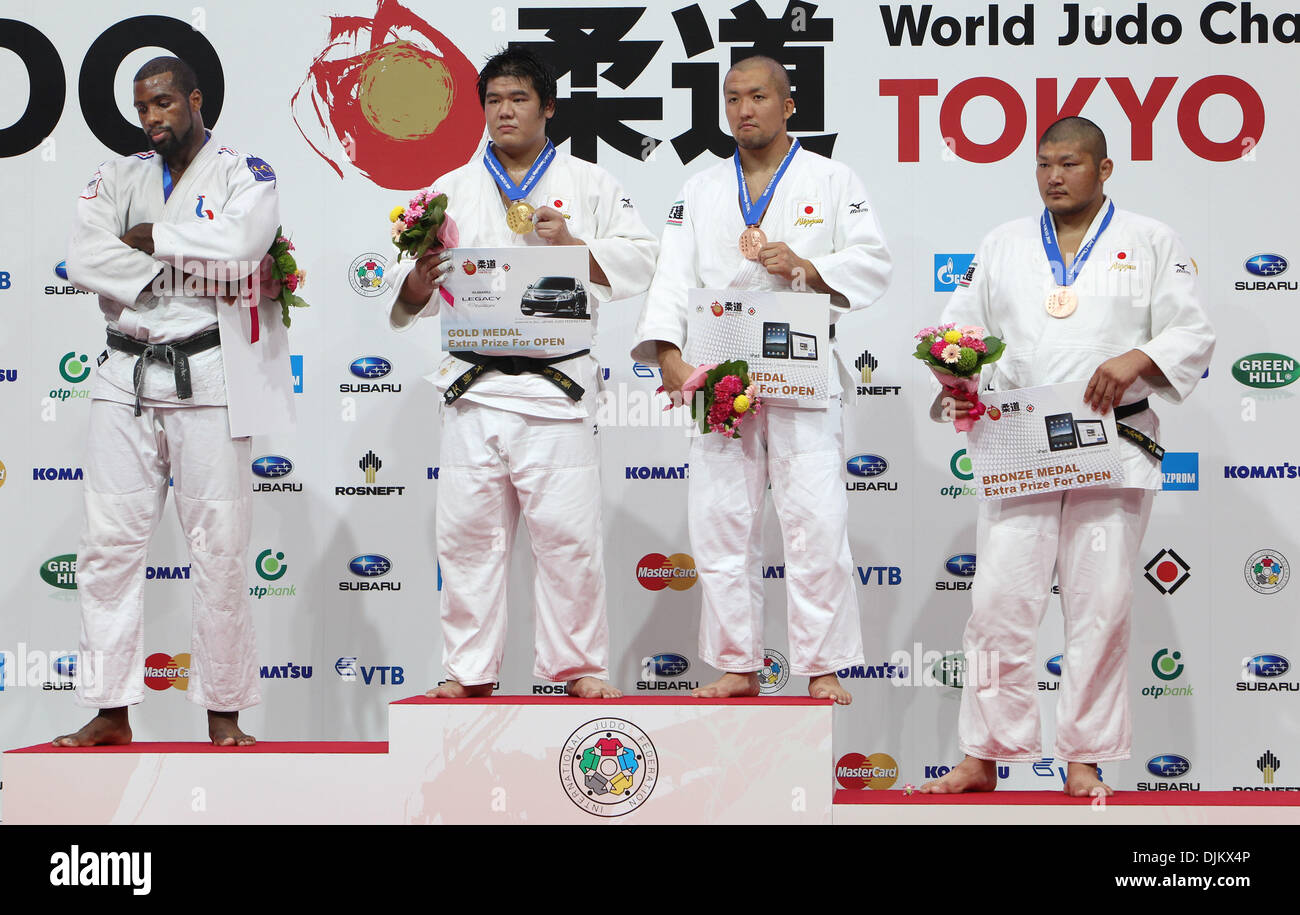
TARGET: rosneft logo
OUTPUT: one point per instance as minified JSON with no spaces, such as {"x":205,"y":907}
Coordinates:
{"x":1266,"y":265}
{"x":877,"y":771}
{"x":163,"y":670}
{"x":370,"y":565}
{"x":1267,"y":665}
{"x":369,"y":367}
{"x":272,"y":466}
{"x":961,"y":565}
{"x":656,"y":571}
{"x":866,"y":465}
{"x":60,"y":571}
{"x":1169,"y":765}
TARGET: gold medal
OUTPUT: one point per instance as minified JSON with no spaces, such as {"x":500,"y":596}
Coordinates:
{"x":519,"y":217}
{"x":1061,"y":302}
{"x":752,"y":241}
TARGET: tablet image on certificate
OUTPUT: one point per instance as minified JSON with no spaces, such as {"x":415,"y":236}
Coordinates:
{"x":803,"y":346}
{"x":1090,"y":432}
{"x":1060,"y":431}
{"x":776,"y":340}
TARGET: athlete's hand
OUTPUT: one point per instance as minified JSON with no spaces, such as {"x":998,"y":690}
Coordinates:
{"x":140,"y":237}
{"x":552,"y":227}
{"x":675,"y":370}
{"x":777,"y":259}
{"x":954,"y":409}
{"x":1114,"y":376}
{"x":430,"y":272}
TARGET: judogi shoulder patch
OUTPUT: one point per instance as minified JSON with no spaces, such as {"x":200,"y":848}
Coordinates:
{"x":261,"y":171}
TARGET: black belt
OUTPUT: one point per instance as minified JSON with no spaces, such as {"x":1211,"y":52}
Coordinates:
{"x":1133,"y":435}
{"x":514,"y":365}
{"x":174,"y":354}
{"x":832,"y":331}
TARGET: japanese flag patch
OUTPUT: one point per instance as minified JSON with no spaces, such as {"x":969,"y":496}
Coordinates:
{"x":808,"y":213}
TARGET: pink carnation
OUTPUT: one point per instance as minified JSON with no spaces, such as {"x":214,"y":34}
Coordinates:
{"x":927,"y":332}
{"x":974,"y":343}
{"x":937,"y":349}
{"x":291,"y":281}
{"x":286,"y":241}
{"x":728,"y":386}
{"x":720,"y":412}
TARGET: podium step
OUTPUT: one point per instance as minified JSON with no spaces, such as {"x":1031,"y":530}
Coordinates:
{"x":1163,"y":808}
{"x":498,"y":760}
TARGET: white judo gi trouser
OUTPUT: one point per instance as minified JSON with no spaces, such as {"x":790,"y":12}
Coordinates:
{"x":496,"y":464}
{"x":1091,"y":538}
{"x":128,"y":464}
{"x":801,"y":452}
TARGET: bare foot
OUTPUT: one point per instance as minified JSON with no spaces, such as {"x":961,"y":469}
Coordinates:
{"x":453,"y":690}
{"x":109,"y":728}
{"x":592,"y":688}
{"x":827,"y":686}
{"x":223,"y":728}
{"x":729,"y":686}
{"x":1081,"y":781}
{"x":970,"y":774}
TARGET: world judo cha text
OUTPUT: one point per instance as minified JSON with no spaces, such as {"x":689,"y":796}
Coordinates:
{"x":55,"y":670}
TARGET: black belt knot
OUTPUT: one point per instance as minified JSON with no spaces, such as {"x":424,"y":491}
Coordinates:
{"x":174,"y":354}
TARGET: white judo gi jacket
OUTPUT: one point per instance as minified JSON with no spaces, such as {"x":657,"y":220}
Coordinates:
{"x":218,"y":222}
{"x":598,"y":211}
{"x":820,"y":209}
{"x":1137,"y":290}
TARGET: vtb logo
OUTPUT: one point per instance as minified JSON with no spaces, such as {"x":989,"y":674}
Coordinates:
{"x":199,"y":211}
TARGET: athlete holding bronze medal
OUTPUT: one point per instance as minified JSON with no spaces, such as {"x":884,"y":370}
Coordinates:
{"x":1124,"y":315}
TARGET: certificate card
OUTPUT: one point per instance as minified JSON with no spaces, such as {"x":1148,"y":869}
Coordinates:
{"x":783,"y":336}
{"x":529,"y":300}
{"x":1043,"y":439}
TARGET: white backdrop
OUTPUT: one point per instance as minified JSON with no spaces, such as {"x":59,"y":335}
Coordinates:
{"x":1208,"y":150}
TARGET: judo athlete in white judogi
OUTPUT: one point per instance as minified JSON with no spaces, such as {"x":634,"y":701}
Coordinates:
{"x":513,"y":441}
{"x":169,"y":239}
{"x":837,"y":250}
{"x":1132,"y":325}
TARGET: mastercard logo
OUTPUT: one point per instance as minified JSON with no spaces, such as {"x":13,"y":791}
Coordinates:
{"x":164,"y":670}
{"x":656,"y":571}
{"x":877,"y":771}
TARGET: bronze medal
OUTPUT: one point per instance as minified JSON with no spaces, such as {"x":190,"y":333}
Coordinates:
{"x":1061,"y":302}
{"x":519,"y":217}
{"x":752,"y":240}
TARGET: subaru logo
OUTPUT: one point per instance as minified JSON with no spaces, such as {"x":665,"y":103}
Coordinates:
{"x":370,"y":565}
{"x":66,"y":666}
{"x":1053,"y":666}
{"x":61,"y":270}
{"x":962,"y":565}
{"x":1168,"y":766}
{"x":1266,"y":265}
{"x":1267,"y":665}
{"x":666,"y":665}
{"x":371,"y":367}
{"x":867,"y":465}
{"x":272,"y":466}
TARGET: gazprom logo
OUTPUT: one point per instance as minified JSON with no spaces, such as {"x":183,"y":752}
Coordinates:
{"x":1267,"y":665}
{"x":1053,"y":665}
{"x":948,"y":269}
{"x":272,"y":466}
{"x":1169,"y":765}
{"x":1267,"y":265}
{"x":371,"y":367}
{"x":1180,"y":470}
{"x":961,"y":565}
{"x":867,"y":465}
{"x":370,"y":565}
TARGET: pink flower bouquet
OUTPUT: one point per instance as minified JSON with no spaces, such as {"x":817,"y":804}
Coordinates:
{"x":279,"y":276}
{"x":422,"y":222}
{"x":721,"y":397}
{"x":956,"y":355}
